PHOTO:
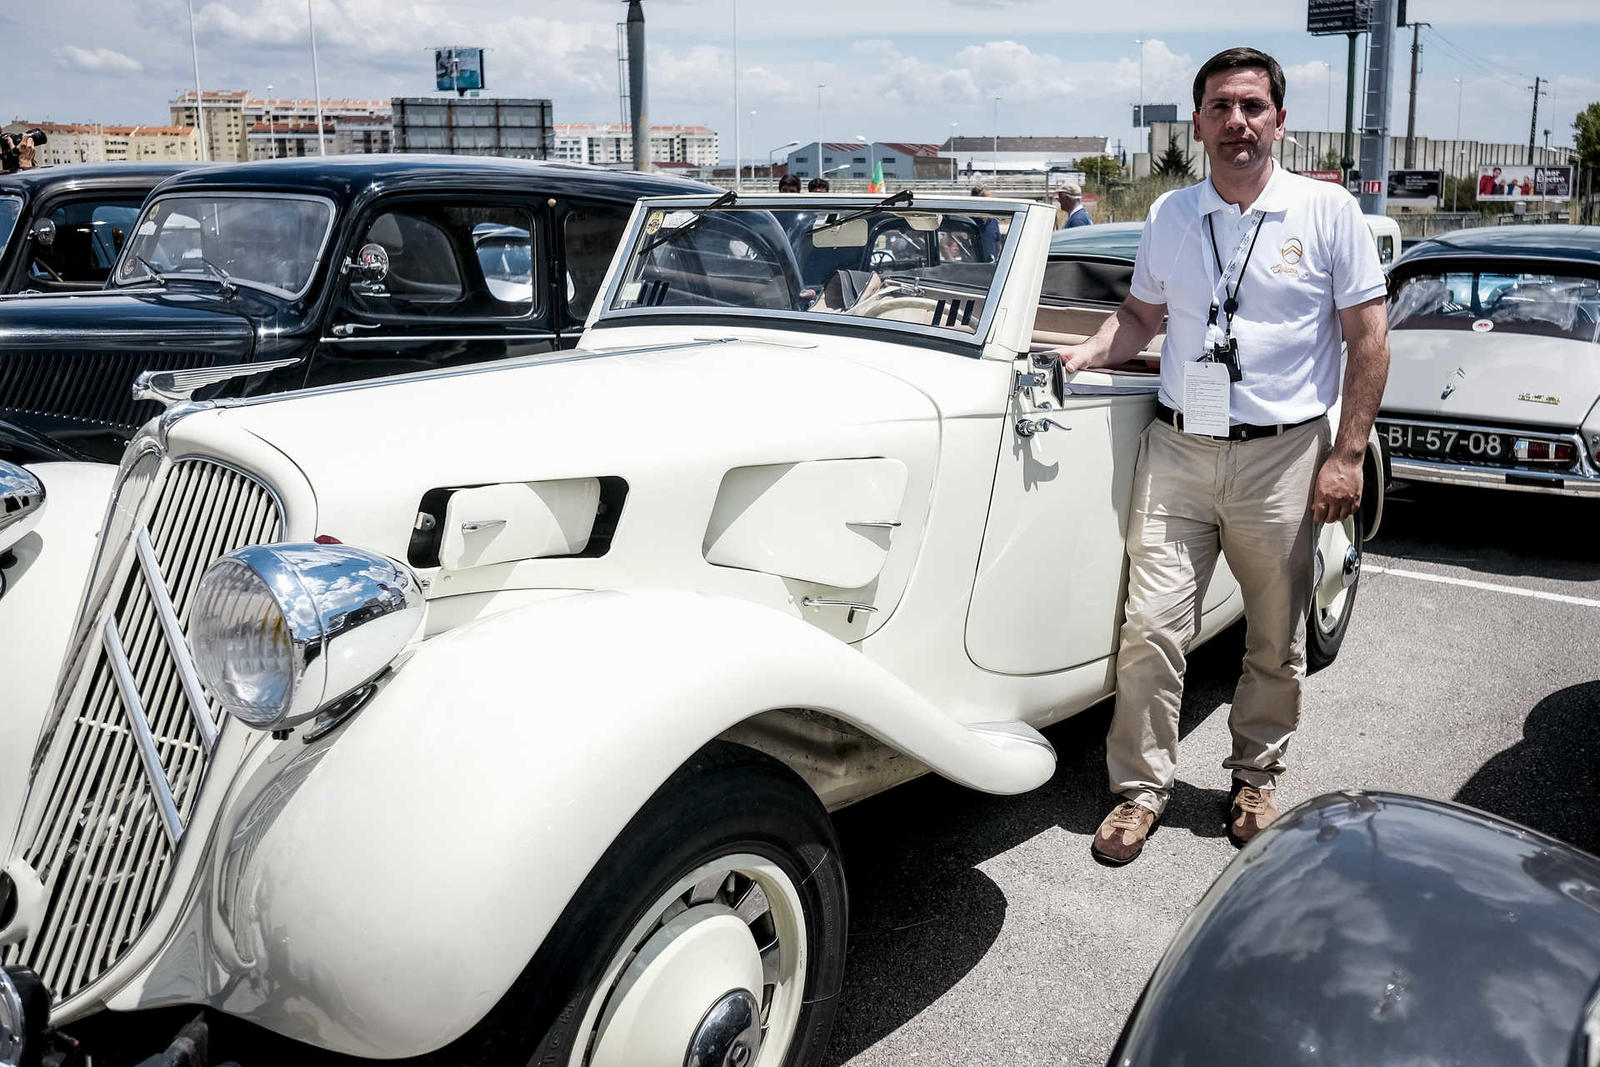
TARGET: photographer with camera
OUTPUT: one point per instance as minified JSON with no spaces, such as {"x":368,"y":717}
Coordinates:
{"x":17,"y":150}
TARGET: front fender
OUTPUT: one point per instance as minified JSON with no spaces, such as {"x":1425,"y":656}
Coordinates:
{"x":42,"y":589}
{"x":397,"y":881}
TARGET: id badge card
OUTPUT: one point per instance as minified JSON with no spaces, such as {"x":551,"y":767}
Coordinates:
{"x":1205,"y":398}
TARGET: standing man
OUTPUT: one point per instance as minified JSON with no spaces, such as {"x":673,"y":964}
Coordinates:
{"x":1071,"y":212}
{"x":1260,"y":275}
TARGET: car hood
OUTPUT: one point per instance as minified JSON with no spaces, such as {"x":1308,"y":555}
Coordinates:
{"x":108,"y":319}
{"x":667,"y":418}
{"x":1371,"y":929}
{"x":1510,"y":378}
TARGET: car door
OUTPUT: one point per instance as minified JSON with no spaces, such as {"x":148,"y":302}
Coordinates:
{"x":73,"y":241}
{"x":437,"y":280}
{"x":1054,"y":548}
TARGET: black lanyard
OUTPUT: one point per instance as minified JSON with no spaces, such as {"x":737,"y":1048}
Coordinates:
{"x":1231,"y":303}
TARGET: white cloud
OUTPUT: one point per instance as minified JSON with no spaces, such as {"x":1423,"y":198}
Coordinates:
{"x":96,"y":60}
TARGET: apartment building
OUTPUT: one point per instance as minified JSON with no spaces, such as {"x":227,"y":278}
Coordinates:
{"x":240,"y":127}
{"x":94,"y":142}
{"x":224,"y":128}
{"x":611,"y":144}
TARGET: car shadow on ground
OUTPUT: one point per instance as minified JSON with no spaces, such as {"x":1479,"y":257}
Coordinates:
{"x":923,"y":915}
{"x":1491,"y":531}
{"x":1548,"y":780}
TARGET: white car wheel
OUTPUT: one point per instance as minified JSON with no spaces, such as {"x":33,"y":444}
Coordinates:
{"x":1337,"y":575}
{"x":712,"y":975}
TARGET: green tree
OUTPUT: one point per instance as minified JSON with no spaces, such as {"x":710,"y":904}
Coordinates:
{"x":1330,"y":160}
{"x":1100,"y":171}
{"x":1173,"y":163}
{"x":1586,"y":145}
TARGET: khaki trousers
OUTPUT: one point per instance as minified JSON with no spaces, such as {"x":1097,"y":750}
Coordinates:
{"x":1193,"y":497}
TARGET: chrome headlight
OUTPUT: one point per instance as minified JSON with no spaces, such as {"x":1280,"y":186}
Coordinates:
{"x":281,"y":631}
{"x":21,"y":500}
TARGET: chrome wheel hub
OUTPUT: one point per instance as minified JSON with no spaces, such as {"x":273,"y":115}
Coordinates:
{"x":729,"y":1035}
{"x":1338,"y":568}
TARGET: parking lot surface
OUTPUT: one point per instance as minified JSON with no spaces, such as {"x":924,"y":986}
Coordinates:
{"x":983,"y":933}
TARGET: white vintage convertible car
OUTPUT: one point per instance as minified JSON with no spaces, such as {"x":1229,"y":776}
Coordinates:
{"x":496,"y":714}
{"x":1495,"y":375}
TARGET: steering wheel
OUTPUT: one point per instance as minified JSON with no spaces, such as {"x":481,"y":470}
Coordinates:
{"x":47,"y":268}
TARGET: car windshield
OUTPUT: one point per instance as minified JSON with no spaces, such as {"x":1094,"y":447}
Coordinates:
{"x":1116,"y":239}
{"x":10,"y":208}
{"x":268,"y":242}
{"x":1546,"y":305}
{"x":932,"y":269}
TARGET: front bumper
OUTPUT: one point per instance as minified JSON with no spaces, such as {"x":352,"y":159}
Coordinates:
{"x":1568,"y":483}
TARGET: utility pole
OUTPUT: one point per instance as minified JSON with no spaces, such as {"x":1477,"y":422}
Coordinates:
{"x":638,"y":104}
{"x":1533,"y":126}
{"x":1348,"y":161}
{"x":1411,"y":114}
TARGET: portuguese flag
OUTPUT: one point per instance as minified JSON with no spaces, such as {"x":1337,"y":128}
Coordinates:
{"x":876,"y":186}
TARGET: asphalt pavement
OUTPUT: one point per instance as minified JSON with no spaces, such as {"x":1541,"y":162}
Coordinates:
{"x":983,"y":933}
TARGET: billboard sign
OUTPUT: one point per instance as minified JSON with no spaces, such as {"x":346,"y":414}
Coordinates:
{"x":1145,"y":114}
{"x":457,"y":69}
{"x":1416,"y":188}
{"x":1338,"y":16}
{"x":1334,"y":176}
{"x":1512,"y":183}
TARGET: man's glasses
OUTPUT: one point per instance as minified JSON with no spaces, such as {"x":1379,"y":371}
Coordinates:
{"x":1253,"y":109}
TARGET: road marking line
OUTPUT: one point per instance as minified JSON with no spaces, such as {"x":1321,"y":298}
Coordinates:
{"x":1559,"y":598}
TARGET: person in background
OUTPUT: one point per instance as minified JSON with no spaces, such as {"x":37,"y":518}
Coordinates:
{"x":1071,"y":211}
{"x":789,"y":183}
{"x":1487,"y":183}
{"x":817,"y":185}
{"x":989,"y":232}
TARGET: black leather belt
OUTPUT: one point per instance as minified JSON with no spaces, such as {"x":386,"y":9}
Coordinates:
{"x":1242,"y":432}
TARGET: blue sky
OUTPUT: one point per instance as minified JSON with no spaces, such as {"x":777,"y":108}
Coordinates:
{"x":894,"y":69}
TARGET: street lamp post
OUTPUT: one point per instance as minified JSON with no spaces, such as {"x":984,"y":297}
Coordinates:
{"x":820,"y":86}
{"x":272,"y":130}
{"x":773,"y":151}
{"x":752,"y":134}
{"x":199,"y":94}
{"x":316,"y":79}
{"x":1140,"y":42}
{"x":995,"y":170}
{"x":738,"y":168}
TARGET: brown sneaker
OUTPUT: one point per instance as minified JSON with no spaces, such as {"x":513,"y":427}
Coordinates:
{"x":1121,"y":836}
{"x":1249,"y":812}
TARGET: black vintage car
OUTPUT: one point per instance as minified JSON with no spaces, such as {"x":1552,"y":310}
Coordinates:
{"x":61,"y":228}
{"x":1378,"y":930}
{"x":318,"y":271}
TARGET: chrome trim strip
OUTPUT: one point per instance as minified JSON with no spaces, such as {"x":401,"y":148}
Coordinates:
{"x":1419,"y":470}
{"x":883,"y":524}
{"x":400,"y":337}
{"x":176,"y":645}
{"x":141,"y":731}
{"x":826,"y":602}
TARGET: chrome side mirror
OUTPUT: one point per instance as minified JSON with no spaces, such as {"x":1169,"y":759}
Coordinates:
{"x":370,"y":265}
{"x":44,"y":232}
{"x":21,"y":501}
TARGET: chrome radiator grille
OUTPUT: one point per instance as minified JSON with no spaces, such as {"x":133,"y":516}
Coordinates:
{"x":131,"y":749}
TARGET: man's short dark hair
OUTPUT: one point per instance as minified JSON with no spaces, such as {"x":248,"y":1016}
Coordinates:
{"x":817,"y":185}
{"x":1497,"y":170}
{"x":1241,"y":59}
{"x":789,"y":183}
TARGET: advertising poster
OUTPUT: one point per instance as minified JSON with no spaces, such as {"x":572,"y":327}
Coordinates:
{"x":1524,"y":183}
{"x":1334,"y":176}
{"x":1416,"y":188}
{"x":458,"y":69}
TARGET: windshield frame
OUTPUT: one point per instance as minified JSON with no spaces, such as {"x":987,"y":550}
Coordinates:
{"x":16,"y":221}
{"x":228,"y":194}
{"x":604,"y":315}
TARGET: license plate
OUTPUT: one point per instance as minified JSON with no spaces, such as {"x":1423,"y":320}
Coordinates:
{"x":1440,"y":442}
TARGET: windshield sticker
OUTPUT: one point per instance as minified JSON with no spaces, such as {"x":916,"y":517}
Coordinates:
{"x":147,"y":228}
{"x":1482,"y":325}
{"x":630,"y":291}
{"x":653,"y":223}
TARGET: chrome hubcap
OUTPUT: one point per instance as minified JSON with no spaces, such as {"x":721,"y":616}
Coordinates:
{"x":730,"y":1034}
{"x":1338,"y":568}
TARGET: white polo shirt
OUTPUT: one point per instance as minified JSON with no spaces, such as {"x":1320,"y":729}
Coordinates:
{"x":1313,"y":256}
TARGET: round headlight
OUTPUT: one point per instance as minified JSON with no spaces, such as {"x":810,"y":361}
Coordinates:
{"x":13,"y":1028}
{"x":281,"y":631}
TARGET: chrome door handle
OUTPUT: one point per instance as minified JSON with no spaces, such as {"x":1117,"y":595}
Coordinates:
{"x":1029,"y":427}
{"x":885,"y":524}
{"x":348,"y":329}
{"x":475,"y":525}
